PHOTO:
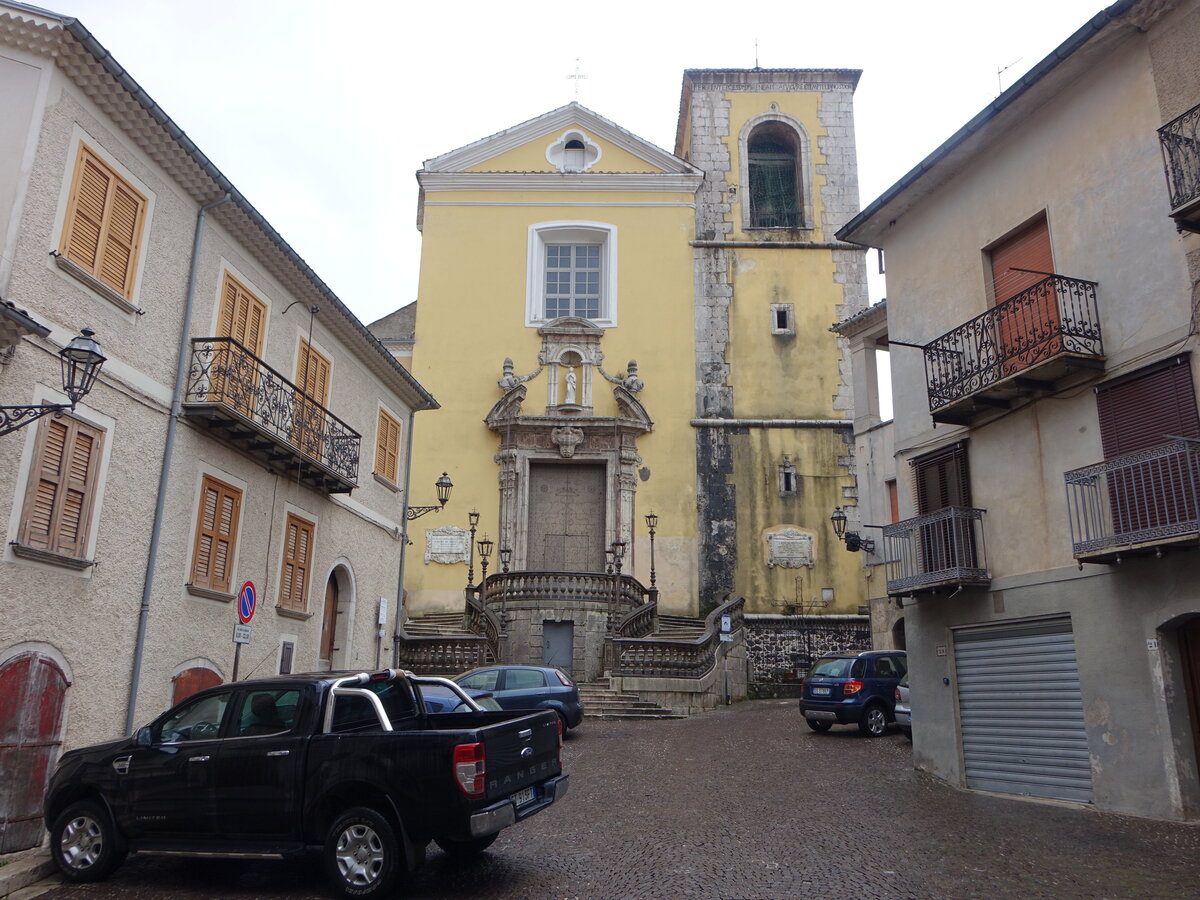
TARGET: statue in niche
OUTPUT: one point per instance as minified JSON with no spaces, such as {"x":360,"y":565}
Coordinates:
{"x":570,"y":398}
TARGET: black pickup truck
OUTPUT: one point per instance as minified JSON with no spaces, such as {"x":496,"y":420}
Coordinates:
{"x":351,"y":764}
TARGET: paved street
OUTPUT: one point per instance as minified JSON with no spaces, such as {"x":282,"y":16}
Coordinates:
{"x":747,"y":804}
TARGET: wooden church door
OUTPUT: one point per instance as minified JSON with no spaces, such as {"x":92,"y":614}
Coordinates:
{"x":566,"y":517}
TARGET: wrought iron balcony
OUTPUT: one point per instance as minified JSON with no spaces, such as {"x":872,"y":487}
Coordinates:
{"x":1135,"y":504}
{"x":1023,"y":345}
{"x":936,"y":550}
{"x":255,"y":408}
{"x":1180,"y":143}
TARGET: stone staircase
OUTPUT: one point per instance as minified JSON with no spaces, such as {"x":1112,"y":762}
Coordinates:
{"x":679,"y":628}
{"x":602,"y":701}
{"x":435,"y":625}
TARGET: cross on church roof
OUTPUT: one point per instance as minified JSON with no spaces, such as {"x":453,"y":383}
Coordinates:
{"x":577,"y":77}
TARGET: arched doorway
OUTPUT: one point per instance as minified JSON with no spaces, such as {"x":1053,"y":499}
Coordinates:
{"x":329,"y":622}
{"x":898,"y":635}
{"x":1189,"y":651}
{"x":191,"y":680}
{"x":32,"y":701}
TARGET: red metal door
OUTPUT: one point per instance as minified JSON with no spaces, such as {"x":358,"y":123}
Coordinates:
{"x":32,"y":693}
{"x":192,"y":680}
{"x":1029,"y":329}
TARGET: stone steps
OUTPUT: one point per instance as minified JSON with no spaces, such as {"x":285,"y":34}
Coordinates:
{"x":601,"y":701}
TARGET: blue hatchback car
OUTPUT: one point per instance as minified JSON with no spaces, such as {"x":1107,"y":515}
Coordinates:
{"x":528,"y":687}
{"x":853,"y":689}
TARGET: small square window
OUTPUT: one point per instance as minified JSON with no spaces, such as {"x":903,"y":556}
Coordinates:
{"x":783,"y":321}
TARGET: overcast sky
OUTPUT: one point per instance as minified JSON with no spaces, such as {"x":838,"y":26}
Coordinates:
{"x":321,"y":113}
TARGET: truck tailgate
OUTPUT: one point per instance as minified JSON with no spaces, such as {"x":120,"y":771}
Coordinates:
{"x":521,"y":749}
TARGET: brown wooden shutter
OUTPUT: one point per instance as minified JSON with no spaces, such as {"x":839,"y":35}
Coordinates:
{"x":312,"y":373}
{"x":242,"y":316}
{"x":1027,"y":249}
{"x":942,"y":479}
{"x":387,"y":447}
{"x":104,"y":223}
{"x":216,"y":535}
{"x":62,"y":486}
{"x":1143,"y":411}
{"x":297,"y":552}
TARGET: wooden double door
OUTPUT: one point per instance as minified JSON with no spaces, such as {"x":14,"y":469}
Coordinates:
{"x":566,"y":517}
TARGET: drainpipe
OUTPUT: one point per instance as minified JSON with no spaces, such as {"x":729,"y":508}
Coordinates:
{"x":165,"y":474}
{"x":408,"y":442}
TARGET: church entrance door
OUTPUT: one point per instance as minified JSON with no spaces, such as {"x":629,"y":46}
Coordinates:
{"x":566,"y":517}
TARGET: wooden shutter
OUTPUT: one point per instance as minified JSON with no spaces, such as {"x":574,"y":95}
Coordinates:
{"x":312,"y":377}
{"x":297,"y":555}
{"x":312,"y":373}
{"x":62,"y":487}
{"x":104,"y":223}
{"x":1027,"y":249}
{"x":1143,"y":411}
{"x":216,"y":535}
{"x":242,"y":316}
{"x":387,"y":447}
{"x":942,"y":479}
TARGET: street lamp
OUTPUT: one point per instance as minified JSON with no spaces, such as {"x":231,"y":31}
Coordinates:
{"x":473,"y":518}
{"x":81,"y":362}
{"x":505,"y":558}
{"x":485,"y":550}
{"x":854,"y":542}
{"x":651,"y":523}
{"x":443,"y":486}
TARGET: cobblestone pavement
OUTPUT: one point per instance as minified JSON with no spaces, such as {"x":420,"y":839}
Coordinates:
{"x":745,"y":803}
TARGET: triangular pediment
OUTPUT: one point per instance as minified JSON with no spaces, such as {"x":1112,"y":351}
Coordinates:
{"x":525,"y":148}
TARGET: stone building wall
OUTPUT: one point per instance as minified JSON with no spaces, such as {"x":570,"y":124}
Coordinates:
{"x":779,"y":646}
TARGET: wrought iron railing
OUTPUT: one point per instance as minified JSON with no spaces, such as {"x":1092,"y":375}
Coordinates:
{"x":225,"y":373}
{"x":1180,"y":142}
{"x":935,"y":549}
{"x":1142,"y":498}
{"x":1057,"y":315}
{"x":660,"y":658}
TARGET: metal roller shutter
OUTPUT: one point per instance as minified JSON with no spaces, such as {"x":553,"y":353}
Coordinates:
{"x":1021,"y":711}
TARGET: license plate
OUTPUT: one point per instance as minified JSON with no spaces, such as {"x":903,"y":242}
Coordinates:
{"x":520,"y":798}
{"x":820,"y":692}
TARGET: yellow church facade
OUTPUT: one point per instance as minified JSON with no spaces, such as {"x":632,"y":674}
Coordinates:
{"x":614,"y":330}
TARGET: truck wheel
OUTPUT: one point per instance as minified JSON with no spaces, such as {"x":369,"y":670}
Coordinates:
{"x":461,"y":849}
{"x":85,"y":843}
{"x":874,"y":721}
{"x":362,"y":857}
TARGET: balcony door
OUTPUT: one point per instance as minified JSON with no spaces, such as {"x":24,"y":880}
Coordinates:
{"x":1028,"y":330}
{"x":312,"y":377}
{"x":1136,"y":414}
{"x":941,"y":479}
{"x":566,"y":517}
{"x":242,"y":317}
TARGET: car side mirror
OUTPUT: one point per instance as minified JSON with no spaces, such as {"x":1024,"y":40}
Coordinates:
{"x":145,"y":737}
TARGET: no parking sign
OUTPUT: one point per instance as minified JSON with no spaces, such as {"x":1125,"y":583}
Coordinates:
{"x":247,"y":601}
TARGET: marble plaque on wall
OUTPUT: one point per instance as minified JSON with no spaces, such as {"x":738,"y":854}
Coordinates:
{"x":447,"y":545}
{"x":789,"y":549}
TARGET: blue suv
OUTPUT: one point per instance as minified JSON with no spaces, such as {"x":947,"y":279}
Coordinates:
{"x":853,"y":688}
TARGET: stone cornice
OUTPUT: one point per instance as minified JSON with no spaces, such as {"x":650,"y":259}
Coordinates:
{"x":553,"y":181}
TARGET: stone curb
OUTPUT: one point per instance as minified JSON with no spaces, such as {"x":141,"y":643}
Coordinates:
{"x":23,"y":870}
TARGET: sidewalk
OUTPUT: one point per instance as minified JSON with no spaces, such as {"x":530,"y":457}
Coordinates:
{"x":19,"y":870}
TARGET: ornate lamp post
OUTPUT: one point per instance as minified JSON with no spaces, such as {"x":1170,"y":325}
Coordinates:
{"x":473,"y":518}
{"x":443,"y":486}
{"x":505,"y":558}
{"x":485,"y":550}
{"x":609,"y":568}
{"x":81,"y":362}
{"x":652,"y":524}
{"x":618,"y":555}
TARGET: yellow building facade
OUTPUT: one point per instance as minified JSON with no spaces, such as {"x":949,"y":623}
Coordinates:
{"x":615,"y":330}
